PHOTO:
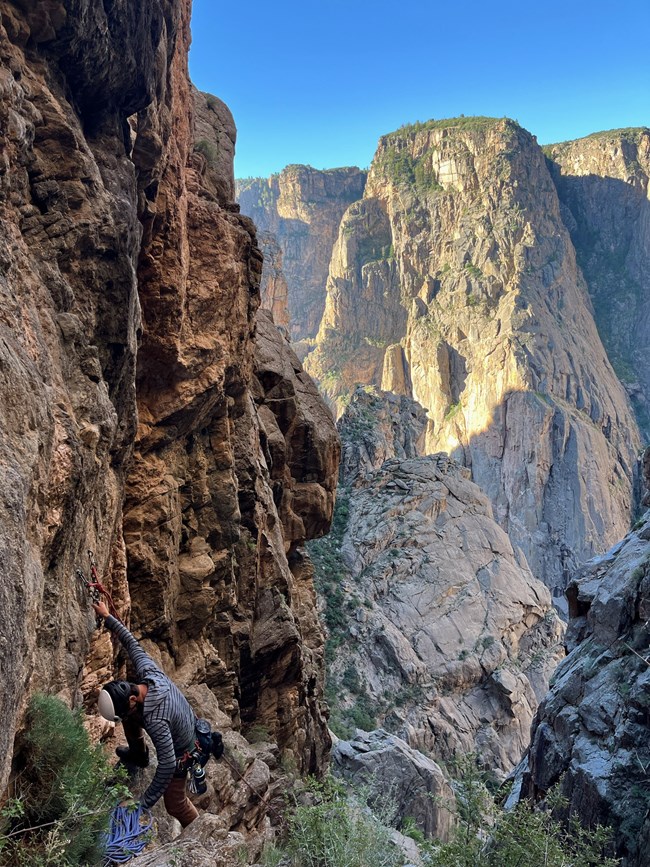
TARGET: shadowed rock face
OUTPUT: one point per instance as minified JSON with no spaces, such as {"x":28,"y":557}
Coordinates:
{"x":130,"y":285}
{"x":300,"y":209}
{"x":274,"y":288}
{"x":603,"y":184}
{"x":591,"y":731}
{"x":70,"y":75}
{"x":395,"y":774}
{"x":454,"y":281}
{"x":449,"y":634}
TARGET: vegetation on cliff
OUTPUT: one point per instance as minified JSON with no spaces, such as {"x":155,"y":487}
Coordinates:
{"x":63,"y":794}
{"x":461,"y":122}
{"x":486,"y":835}
{"x":335,"y":825}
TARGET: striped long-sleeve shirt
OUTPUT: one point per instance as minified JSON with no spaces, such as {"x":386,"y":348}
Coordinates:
{"x":167,"y":717}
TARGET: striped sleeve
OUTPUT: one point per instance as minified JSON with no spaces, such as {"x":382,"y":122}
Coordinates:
{"x":162,"y":740}
{"x":141,"y":661}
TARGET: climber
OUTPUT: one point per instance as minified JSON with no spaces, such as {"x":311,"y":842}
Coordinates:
{"x":153,"y":704}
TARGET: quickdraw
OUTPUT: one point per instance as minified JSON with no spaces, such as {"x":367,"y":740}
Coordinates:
{"x":94,"y":586}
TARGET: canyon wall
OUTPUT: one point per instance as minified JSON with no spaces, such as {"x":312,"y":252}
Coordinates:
{"x":301,"y":208}
{"x":70,"y":242}
{"x":146,"y":414}
{"x":438,"y":631}
{"x":590,"y":733}
{"x":454,"y":281}
{"x":603,"y":182}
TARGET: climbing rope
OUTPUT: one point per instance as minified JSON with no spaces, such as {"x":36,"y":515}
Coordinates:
{"x":128,"y":834}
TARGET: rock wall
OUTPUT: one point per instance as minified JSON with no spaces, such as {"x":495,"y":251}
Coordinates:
{"x":393,"y":772}
{"x":71,"y":74}
{"x":590,"y":732}
{"x":274,"y":288}
{"x":133,"y":372}
{"x":446,"y":635}
{"x":454,"y":281}
{"x":301,"y":208}
{"x":603,"y":182}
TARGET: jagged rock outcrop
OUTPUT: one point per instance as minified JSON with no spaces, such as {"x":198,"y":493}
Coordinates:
{"x":603,"y":182}
{"x":214,"y":134}
{"x":400,"y":780}
{"x":447,"y":638}
{"x":120,"y":237}
{"x":301,"y":209}
{"x":591,"y":732}
{"x":274,"y":288}
{"x":455,"y":281}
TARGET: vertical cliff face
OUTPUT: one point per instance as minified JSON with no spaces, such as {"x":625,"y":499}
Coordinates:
{"x":603,"y":183}
{"x":454,"y":639}
{"x":301,"y":208}
{"x":455,"y":281}
{"x":274,"y":288}
{"x":590,"y":732}
{"x":130,"y":286}
{"x":213,"y":521}
{"x":71,"y":74}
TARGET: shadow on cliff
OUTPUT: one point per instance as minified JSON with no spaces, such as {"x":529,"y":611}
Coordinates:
{"x":560,"y":488}
{"x":609,"y":223}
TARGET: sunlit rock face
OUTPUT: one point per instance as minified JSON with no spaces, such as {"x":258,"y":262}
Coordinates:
{"x":145,"y":414}
{"x":450,"y":635}
{"x":454,"y":281}
{"x":300,"y":209}
{"x":604,"y":186}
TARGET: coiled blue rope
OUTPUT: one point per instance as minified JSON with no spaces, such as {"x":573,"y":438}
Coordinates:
{"x":127,"y":835}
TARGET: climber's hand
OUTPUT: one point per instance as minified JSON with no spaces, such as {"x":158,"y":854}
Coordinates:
{"x":130,"y":804}
{"x":101,"y":609}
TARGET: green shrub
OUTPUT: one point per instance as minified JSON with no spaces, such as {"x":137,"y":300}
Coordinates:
{"x":335,"y":830}
{"x":208,"y":149}
{"x":486,"y":836}
{"x":64,"y":794}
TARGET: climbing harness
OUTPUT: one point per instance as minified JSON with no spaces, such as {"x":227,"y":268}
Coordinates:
{"x":206,"y":744}
{"x":128,"y":834}
{"x":94,"y":586}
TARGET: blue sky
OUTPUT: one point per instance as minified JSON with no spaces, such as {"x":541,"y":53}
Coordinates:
{"x":318,"y":82}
